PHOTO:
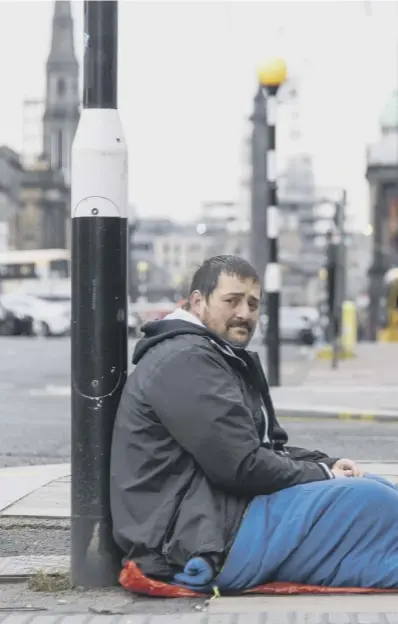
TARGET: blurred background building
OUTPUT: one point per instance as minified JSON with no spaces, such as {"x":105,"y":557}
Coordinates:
{"x":35,"y":197}
{"x":35,"y":185}
{"x":382,"y":175}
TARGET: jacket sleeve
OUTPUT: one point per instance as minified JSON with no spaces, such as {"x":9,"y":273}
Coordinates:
{"x":280,"y":439}
{"x":301,"y":454}
{"x":197,"y":399}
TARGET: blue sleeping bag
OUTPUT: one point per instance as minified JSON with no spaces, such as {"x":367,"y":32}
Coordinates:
{"x":337,"y":533}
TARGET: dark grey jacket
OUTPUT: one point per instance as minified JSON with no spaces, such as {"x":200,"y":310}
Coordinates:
{"x":188,"y":450}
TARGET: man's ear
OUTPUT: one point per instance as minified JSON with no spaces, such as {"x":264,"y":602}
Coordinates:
{"x":195,"y":301}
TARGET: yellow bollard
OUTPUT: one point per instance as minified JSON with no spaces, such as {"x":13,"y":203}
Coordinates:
{"x":348,"y":329}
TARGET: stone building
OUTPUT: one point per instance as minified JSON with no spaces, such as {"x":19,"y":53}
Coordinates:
{"x":382,"y":175}
{"x":41,"y":217}
{"x":11,"y":173}
{"x":62,"y":106}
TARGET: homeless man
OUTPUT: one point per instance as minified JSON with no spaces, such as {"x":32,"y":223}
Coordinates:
{"x":204,"y":488}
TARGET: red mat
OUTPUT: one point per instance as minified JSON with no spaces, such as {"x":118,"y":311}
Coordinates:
{"x":132,"y":579}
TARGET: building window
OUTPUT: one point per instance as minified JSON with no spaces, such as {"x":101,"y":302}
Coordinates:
{"x":61,"y":87}
{"x":60,"y":159}
{"x":59,"y":268}
{"x":142,"y":246}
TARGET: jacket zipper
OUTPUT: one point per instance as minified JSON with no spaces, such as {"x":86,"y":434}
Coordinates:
{"x":167,"y":539}
{"x":171,"y":524}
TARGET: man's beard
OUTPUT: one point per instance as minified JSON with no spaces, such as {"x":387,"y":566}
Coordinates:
{"x":242,"y":344}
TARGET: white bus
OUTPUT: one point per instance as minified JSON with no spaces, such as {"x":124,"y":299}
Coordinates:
{"x":18,"y":267}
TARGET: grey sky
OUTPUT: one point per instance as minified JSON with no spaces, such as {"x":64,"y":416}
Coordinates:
{"x":187,"y":79}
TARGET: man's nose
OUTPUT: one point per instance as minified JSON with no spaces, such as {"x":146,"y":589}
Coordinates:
{"x":243,"y":312}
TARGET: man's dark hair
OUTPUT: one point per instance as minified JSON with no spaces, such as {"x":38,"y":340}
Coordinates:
{"x":207,"y":275}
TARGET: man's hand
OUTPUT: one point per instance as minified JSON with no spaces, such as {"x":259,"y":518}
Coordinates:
{"x":348,"y":467}
{"x":340,"y":474}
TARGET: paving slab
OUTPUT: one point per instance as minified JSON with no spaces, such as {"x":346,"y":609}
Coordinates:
{"x":50,"y":501}
{"x":304,"y":604}
{"x":338,"y":412}
{"x":282,"y":617}
{"x":383,"y":468}
{"x":374,"y":364}
{"x":28,"y":566}
{"x":16,"y":483}
{"x":358,"y":402}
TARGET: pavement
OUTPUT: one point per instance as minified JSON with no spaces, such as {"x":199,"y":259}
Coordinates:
{"x":37,"y":498}
{"x":363,"y":388}
{"x":348,"y":412}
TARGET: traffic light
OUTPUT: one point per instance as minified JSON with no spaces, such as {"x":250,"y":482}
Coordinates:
{"x":331,"y":282}
{"x":331,"y":271}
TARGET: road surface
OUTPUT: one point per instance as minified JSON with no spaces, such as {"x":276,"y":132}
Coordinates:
{"x":35,"y":409}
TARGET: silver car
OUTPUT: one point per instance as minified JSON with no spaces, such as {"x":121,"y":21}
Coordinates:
{"x":296,"y":324}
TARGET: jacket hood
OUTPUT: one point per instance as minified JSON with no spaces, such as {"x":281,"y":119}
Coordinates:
{"x":177,"y":323}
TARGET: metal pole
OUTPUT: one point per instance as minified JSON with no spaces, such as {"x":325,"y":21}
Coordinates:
{"x":342,"y":252}
{"x":99,"y":298}
{"x":258,"y":183}
{"x":339,"y":276}
{"x":332,"y":285}
{"x":272,"y":273}
{"x":336,"y":303}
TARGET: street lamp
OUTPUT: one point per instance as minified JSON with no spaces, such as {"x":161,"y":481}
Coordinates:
{"x":273,"y":73}
{"x":99,"y":299}
{"x":270,"y":77}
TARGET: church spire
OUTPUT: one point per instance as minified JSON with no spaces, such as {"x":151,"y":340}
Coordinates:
{"x":62,"y":45}
{"x":62,"y":108}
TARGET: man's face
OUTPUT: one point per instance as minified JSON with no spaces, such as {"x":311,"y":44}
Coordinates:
{"x":232,"y":309}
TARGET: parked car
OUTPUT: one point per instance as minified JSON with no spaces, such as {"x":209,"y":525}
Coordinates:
{"x":14,"y":324}
{"x":50,"y":314}
{"x":134,"y":323}
{"x":296,"y":324}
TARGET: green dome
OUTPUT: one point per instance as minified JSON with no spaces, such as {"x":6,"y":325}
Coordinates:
{"x":389,"y":116}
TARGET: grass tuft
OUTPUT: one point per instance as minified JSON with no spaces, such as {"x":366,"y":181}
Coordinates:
{"x":43,"y":582}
